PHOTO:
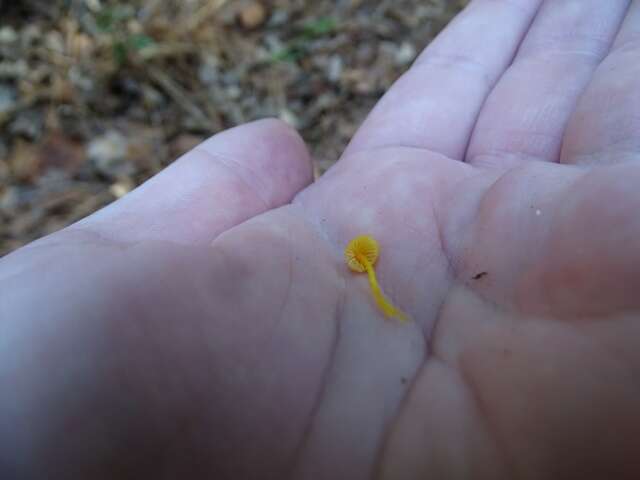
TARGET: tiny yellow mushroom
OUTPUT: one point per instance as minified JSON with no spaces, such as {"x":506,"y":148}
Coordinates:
{"x":361,"y":255}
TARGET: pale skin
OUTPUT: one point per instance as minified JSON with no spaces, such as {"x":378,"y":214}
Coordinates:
{"x":206,"y":326}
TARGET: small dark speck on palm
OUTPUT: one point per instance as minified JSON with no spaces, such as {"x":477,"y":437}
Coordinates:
{"x":480,"y":275}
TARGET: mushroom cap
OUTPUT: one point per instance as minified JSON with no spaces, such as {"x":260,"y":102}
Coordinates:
{"x":363,"y":246}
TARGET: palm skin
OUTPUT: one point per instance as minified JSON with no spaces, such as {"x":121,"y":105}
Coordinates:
{"x":206,"y":325}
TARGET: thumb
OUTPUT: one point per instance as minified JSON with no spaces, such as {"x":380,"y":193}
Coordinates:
{"x":233,"y":176}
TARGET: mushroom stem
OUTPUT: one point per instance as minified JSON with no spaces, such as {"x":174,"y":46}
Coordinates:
{"x":385,"y":305}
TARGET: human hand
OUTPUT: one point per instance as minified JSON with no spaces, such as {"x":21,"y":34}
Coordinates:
{"x":206,"y":326}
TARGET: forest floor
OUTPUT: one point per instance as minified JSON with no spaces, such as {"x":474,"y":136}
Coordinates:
{"x":96,"y":96}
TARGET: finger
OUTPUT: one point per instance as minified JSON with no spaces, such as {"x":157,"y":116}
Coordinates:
{"x":228,"y":179}
{"x":604,"y":127}
{"x":435,"y":104}
{"x":526,"y":114}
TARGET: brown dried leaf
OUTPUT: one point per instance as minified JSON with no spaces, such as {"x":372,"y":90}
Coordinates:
{"x":253,"y":15}
{"x":24,"y":161}
{"x":59,"y":151}
{"x":183,"y":143}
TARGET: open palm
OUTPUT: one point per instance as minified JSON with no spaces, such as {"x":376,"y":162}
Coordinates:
{"x":206,"y":326}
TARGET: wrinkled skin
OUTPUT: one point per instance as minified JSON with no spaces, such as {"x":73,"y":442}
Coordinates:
{"x":205,"y":325}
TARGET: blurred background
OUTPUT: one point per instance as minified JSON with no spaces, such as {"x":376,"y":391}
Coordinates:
{"x":96,"y":95}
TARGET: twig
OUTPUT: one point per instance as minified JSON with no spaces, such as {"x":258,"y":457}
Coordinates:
{"x":202,"y":15}
{"x":177,"y":93}
{"x":166,"y":50}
